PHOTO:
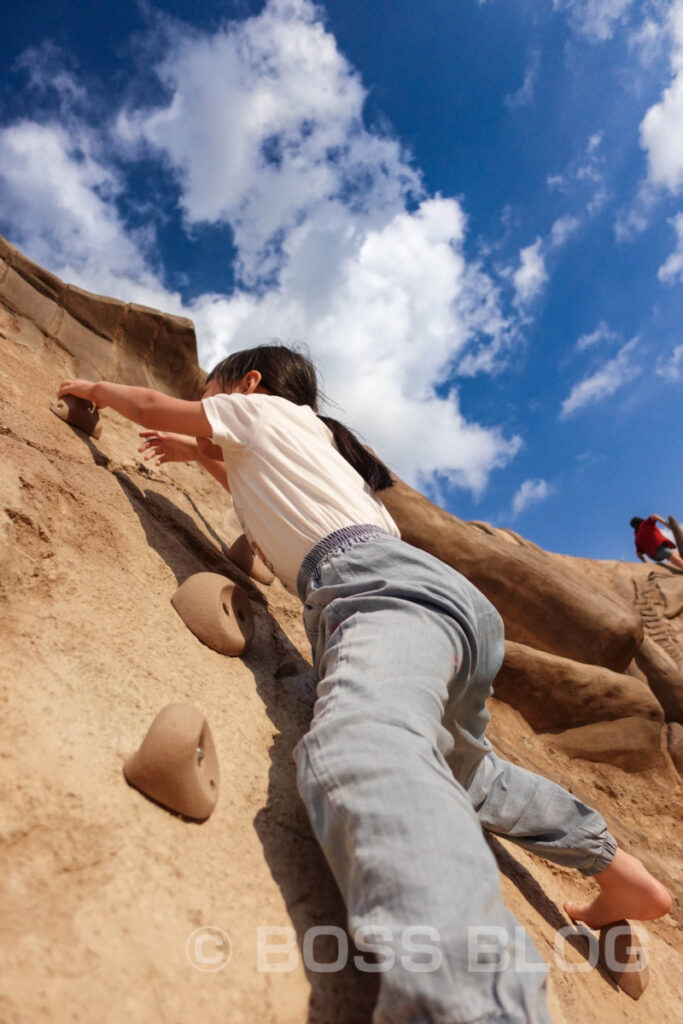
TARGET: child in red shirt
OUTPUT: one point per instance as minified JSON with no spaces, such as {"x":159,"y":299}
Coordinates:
{"x":651,"y":541}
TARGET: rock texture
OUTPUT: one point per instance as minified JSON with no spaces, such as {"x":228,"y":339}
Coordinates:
{"x":554,"y":693}
{"x":545,"y":605}
{"x":109,"y":339}
{"x":633,"y":743}
{"x":106,"y":896}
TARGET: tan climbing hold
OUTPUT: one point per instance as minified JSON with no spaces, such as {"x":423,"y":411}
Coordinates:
{"x":248,"y":561}
{"x":623,"y":956}
{"x":79,"y":413}
{"x":217,"y":611}
{"x":177,"y":764}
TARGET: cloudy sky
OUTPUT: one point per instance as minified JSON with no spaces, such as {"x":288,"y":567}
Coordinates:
{"x":470,"y":211}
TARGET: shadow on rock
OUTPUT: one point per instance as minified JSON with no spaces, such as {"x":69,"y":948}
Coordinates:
{"x":340,"y":996}
{"x":285,"y":684}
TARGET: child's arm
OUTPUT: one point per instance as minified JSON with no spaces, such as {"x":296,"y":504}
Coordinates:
{"x":143,"y":405}
{"x":168,"y":447}
{"x":152,"y":409}
{"x":176,"y":448}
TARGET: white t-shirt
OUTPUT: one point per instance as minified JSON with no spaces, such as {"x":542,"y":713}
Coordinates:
{"x":289,"y":484}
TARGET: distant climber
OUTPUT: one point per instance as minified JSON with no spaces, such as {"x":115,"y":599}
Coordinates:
{"x":651,"y":541}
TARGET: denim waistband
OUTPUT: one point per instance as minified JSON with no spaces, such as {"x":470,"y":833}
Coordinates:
{"x":337,"y":541}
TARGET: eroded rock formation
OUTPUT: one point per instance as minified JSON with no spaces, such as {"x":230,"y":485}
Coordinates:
{"x":109,"y":339}
{"x":544,"y":605}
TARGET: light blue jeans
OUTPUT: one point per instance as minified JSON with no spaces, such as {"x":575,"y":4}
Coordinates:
{"x":406,"y":649}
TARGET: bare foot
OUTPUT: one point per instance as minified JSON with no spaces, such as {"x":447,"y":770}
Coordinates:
{"x":627,"y":890}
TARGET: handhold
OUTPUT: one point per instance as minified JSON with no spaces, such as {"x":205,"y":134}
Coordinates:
{"x":79,"y":413}
{"x":176,"y":763}
{"x":678,"y":534}
{"x":248,"y":561}
{"x":624,"y":958}
{"x":217,"y":611}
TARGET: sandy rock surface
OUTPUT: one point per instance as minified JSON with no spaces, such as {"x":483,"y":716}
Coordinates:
{"x":103,"y":892}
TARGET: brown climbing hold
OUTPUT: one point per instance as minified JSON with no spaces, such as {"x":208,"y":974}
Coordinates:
{"x":248,"y":561}
{"x":176,"y":763}
{"x":623,"y":956}
{"x":79,"y":413}
{"x":217,"y":611}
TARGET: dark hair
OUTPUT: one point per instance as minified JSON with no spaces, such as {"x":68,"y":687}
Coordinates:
{"x":635,"y":522}
{"x":290,"y":374}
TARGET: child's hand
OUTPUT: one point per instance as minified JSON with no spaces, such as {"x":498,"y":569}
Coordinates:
{"x":81,"y":388}
{"x":168,"y":447}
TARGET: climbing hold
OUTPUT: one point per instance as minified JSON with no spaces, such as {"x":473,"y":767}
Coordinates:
{"x":79,"y":413}
{"x":248,"y":561}
{"x":217,"y":611}
{"x":168,"y":767}
{"x":624,"y":957}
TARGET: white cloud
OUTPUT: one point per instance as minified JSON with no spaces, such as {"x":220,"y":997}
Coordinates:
{"x":384,"y":330}
{"x":530,"y":493}
{"x":601,"y":333}
{"x":584,"y":177}
{"x":338,"y":244}
{"x":264,"y":127}
{"x":634,"y":219}
{"x":557,"y":181}
{"x":603,"y":382}
{"x":672,"y":269}
{"x":531,"y":274}
{"x":671,"y":369}
{"x":661,"y":136}
{"x":562,"y":230}
{"x":648,"y":41}
{"x":58,"y":201}
{"x":524,"y":96}
{"x":595,"y":19}
{"x":661,"y":130}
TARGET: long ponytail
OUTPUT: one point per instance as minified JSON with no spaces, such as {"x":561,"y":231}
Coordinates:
{"x":289,"y":374}
{"x":374,"y":472}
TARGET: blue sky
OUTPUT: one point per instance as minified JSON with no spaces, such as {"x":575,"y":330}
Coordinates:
{"x":469,"y":211}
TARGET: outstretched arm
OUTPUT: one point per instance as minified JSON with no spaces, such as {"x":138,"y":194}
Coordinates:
{"x":175,"y":448}
{"x":145,"y":406}
{"x":168,"y":447}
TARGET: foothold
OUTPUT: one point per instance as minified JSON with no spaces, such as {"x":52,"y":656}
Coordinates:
{"x":79,"y":413}
{"x":678,"y":534}
{"x":167,"y":766}
{"x":248,"y":561}
{"x":217,"y":611}
{"x":624,"y":958}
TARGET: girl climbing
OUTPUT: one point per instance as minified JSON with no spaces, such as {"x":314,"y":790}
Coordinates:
{"x":405,"y":649}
